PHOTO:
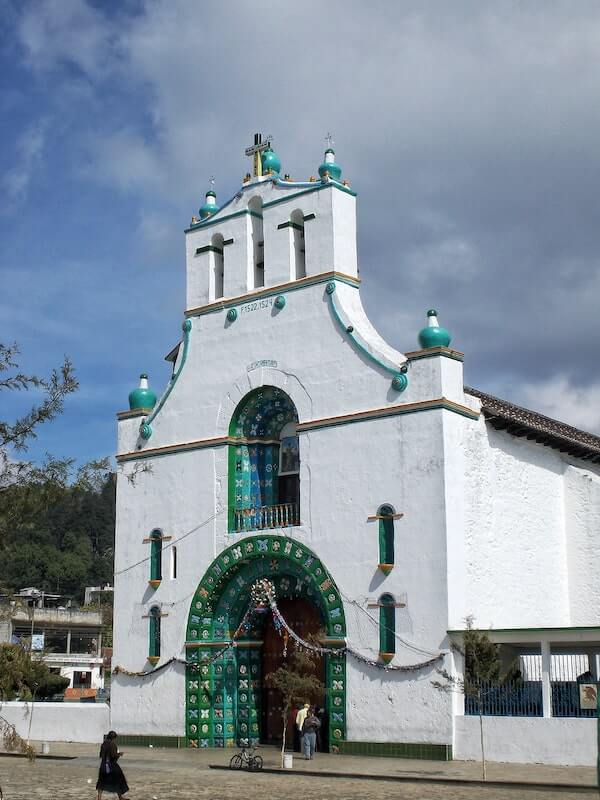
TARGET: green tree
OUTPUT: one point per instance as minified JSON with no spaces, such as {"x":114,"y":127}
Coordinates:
{"x":56,"y":521}
{"x":15,"y":436}
{"x":481,"y":667}
{"x":24,"y":677}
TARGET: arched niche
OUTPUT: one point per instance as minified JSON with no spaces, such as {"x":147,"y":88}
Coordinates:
{"x":263,"y":439}
{"x":257,"y":266}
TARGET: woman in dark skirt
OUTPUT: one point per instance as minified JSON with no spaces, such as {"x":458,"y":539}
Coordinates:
{"x":110,"y":776}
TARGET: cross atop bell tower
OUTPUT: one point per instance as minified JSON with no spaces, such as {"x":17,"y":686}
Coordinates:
{"x":255,"y":151}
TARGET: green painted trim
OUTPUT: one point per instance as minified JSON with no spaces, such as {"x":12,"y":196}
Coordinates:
{"x":209,"y":248}
{"x":581,"y":629}
{"x":386,"y":543}
{"x":186,"y":327}
{"x":209,"y":221}
{"x":430,"y":752}
{"x":227,"y":241}
{"x":317,"y":187}
{"x":154,"y":634}
{"x":292,"y":286}
{"x":304,"y":427}
{"x":349,"y":331}
{"x":308,"y":217}
{"x":387,"y":627}
{"x":145,"y":740}
{"x":155,"y":557}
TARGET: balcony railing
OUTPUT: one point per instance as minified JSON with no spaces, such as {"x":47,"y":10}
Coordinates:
{"x":283,"y":515}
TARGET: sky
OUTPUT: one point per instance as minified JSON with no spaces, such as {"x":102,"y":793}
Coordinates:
{"x":470,"y":130}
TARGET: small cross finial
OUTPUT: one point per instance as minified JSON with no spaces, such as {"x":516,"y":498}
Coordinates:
{"x":211,"y":180}
{"x":329,"y":140}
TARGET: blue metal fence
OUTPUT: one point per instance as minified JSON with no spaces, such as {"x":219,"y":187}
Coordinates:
{"x":519,"y":699}
{"x":524,"y":699}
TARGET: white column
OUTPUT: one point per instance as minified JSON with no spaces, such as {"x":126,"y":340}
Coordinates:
{"x":458,"y":698}
{"x":546,"y":690}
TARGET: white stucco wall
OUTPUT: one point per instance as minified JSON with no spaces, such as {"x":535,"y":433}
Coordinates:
{"x":59,"y":722}
{"x":515,"y":544}
{"x":582,"y":520}
{"x":523,"y":740}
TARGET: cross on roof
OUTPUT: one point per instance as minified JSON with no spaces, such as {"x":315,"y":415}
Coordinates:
{"x":255,"y":150}
{"x":329,"y":140}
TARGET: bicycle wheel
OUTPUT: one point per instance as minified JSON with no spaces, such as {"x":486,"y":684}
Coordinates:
{"x":255,"y":763}
{"x":236,"y":762}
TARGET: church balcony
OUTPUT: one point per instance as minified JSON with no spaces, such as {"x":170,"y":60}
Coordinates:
{"x":283,"y":515}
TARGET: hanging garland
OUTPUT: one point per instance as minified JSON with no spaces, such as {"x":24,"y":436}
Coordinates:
{"x":262,"y":598}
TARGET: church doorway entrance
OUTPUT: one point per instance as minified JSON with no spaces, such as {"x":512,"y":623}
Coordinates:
{"x":231,"y":642}
{"x":304,"y":618}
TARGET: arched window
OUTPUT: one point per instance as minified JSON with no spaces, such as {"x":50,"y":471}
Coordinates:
{"x":155,"y":557}
{"x":385,"y":514}
{"x":154,"y":634}
{"x":173,"y":562}
{"x":218,"y":267}
{"x":387,"y":627}
{"x":257,"y":277}
{"x":265,"y":445}
{"x":299,"y":256}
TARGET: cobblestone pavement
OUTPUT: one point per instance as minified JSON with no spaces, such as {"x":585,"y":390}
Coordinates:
{"x":179,"y":775}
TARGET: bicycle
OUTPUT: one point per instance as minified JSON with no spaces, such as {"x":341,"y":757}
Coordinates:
{"x":246,"y":757}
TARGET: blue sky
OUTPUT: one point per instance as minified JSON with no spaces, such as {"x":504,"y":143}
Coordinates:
{"x":469,"y":129}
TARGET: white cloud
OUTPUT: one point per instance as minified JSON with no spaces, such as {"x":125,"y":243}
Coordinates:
{"x":67,"y":32}
{"x":451,"y":257}
{"x":125,"y":160}
{"x":557,"y":397}
{"x":30,"y":149}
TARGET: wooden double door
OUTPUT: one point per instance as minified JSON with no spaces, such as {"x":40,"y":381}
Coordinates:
{"x":304,"y":619}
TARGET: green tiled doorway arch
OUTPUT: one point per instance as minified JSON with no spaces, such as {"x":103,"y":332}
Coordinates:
{"x":223,"y":694}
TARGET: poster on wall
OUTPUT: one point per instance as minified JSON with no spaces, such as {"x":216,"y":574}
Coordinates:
{"x":290,"y":455}
{"x":588,"y":696}
{"x":37,"y":641}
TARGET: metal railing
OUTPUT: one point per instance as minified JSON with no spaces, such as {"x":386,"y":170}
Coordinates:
{"x":283,"y":515}
{"x":513,"y":699}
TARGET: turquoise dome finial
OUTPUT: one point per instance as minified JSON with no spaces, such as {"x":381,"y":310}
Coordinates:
{"x":210,"y":207}
{"x":270,"y":161}
{"x":433,"y":335}
{"x":143,"y":396}
{"x":329,"y":168}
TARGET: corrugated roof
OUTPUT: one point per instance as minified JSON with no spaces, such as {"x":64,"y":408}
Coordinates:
{"x":519,"y":421}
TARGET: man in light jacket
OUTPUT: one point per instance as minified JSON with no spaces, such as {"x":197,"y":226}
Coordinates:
{"x":300,"y":717}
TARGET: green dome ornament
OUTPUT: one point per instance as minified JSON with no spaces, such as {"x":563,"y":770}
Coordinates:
{"x":329,"y":168}
{"x":210,"y":207}
{"x":433,"y":335}
{"x":271,"y":162}
{"x":143,"y":397}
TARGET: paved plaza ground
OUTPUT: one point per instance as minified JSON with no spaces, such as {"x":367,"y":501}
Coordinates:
{"x":181,"y":774}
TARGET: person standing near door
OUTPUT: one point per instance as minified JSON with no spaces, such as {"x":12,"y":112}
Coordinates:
{"x":309,"y":730}
{"x":300,"y":717}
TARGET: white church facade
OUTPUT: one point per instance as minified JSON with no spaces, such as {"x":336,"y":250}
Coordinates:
{"x":384,"y":500}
